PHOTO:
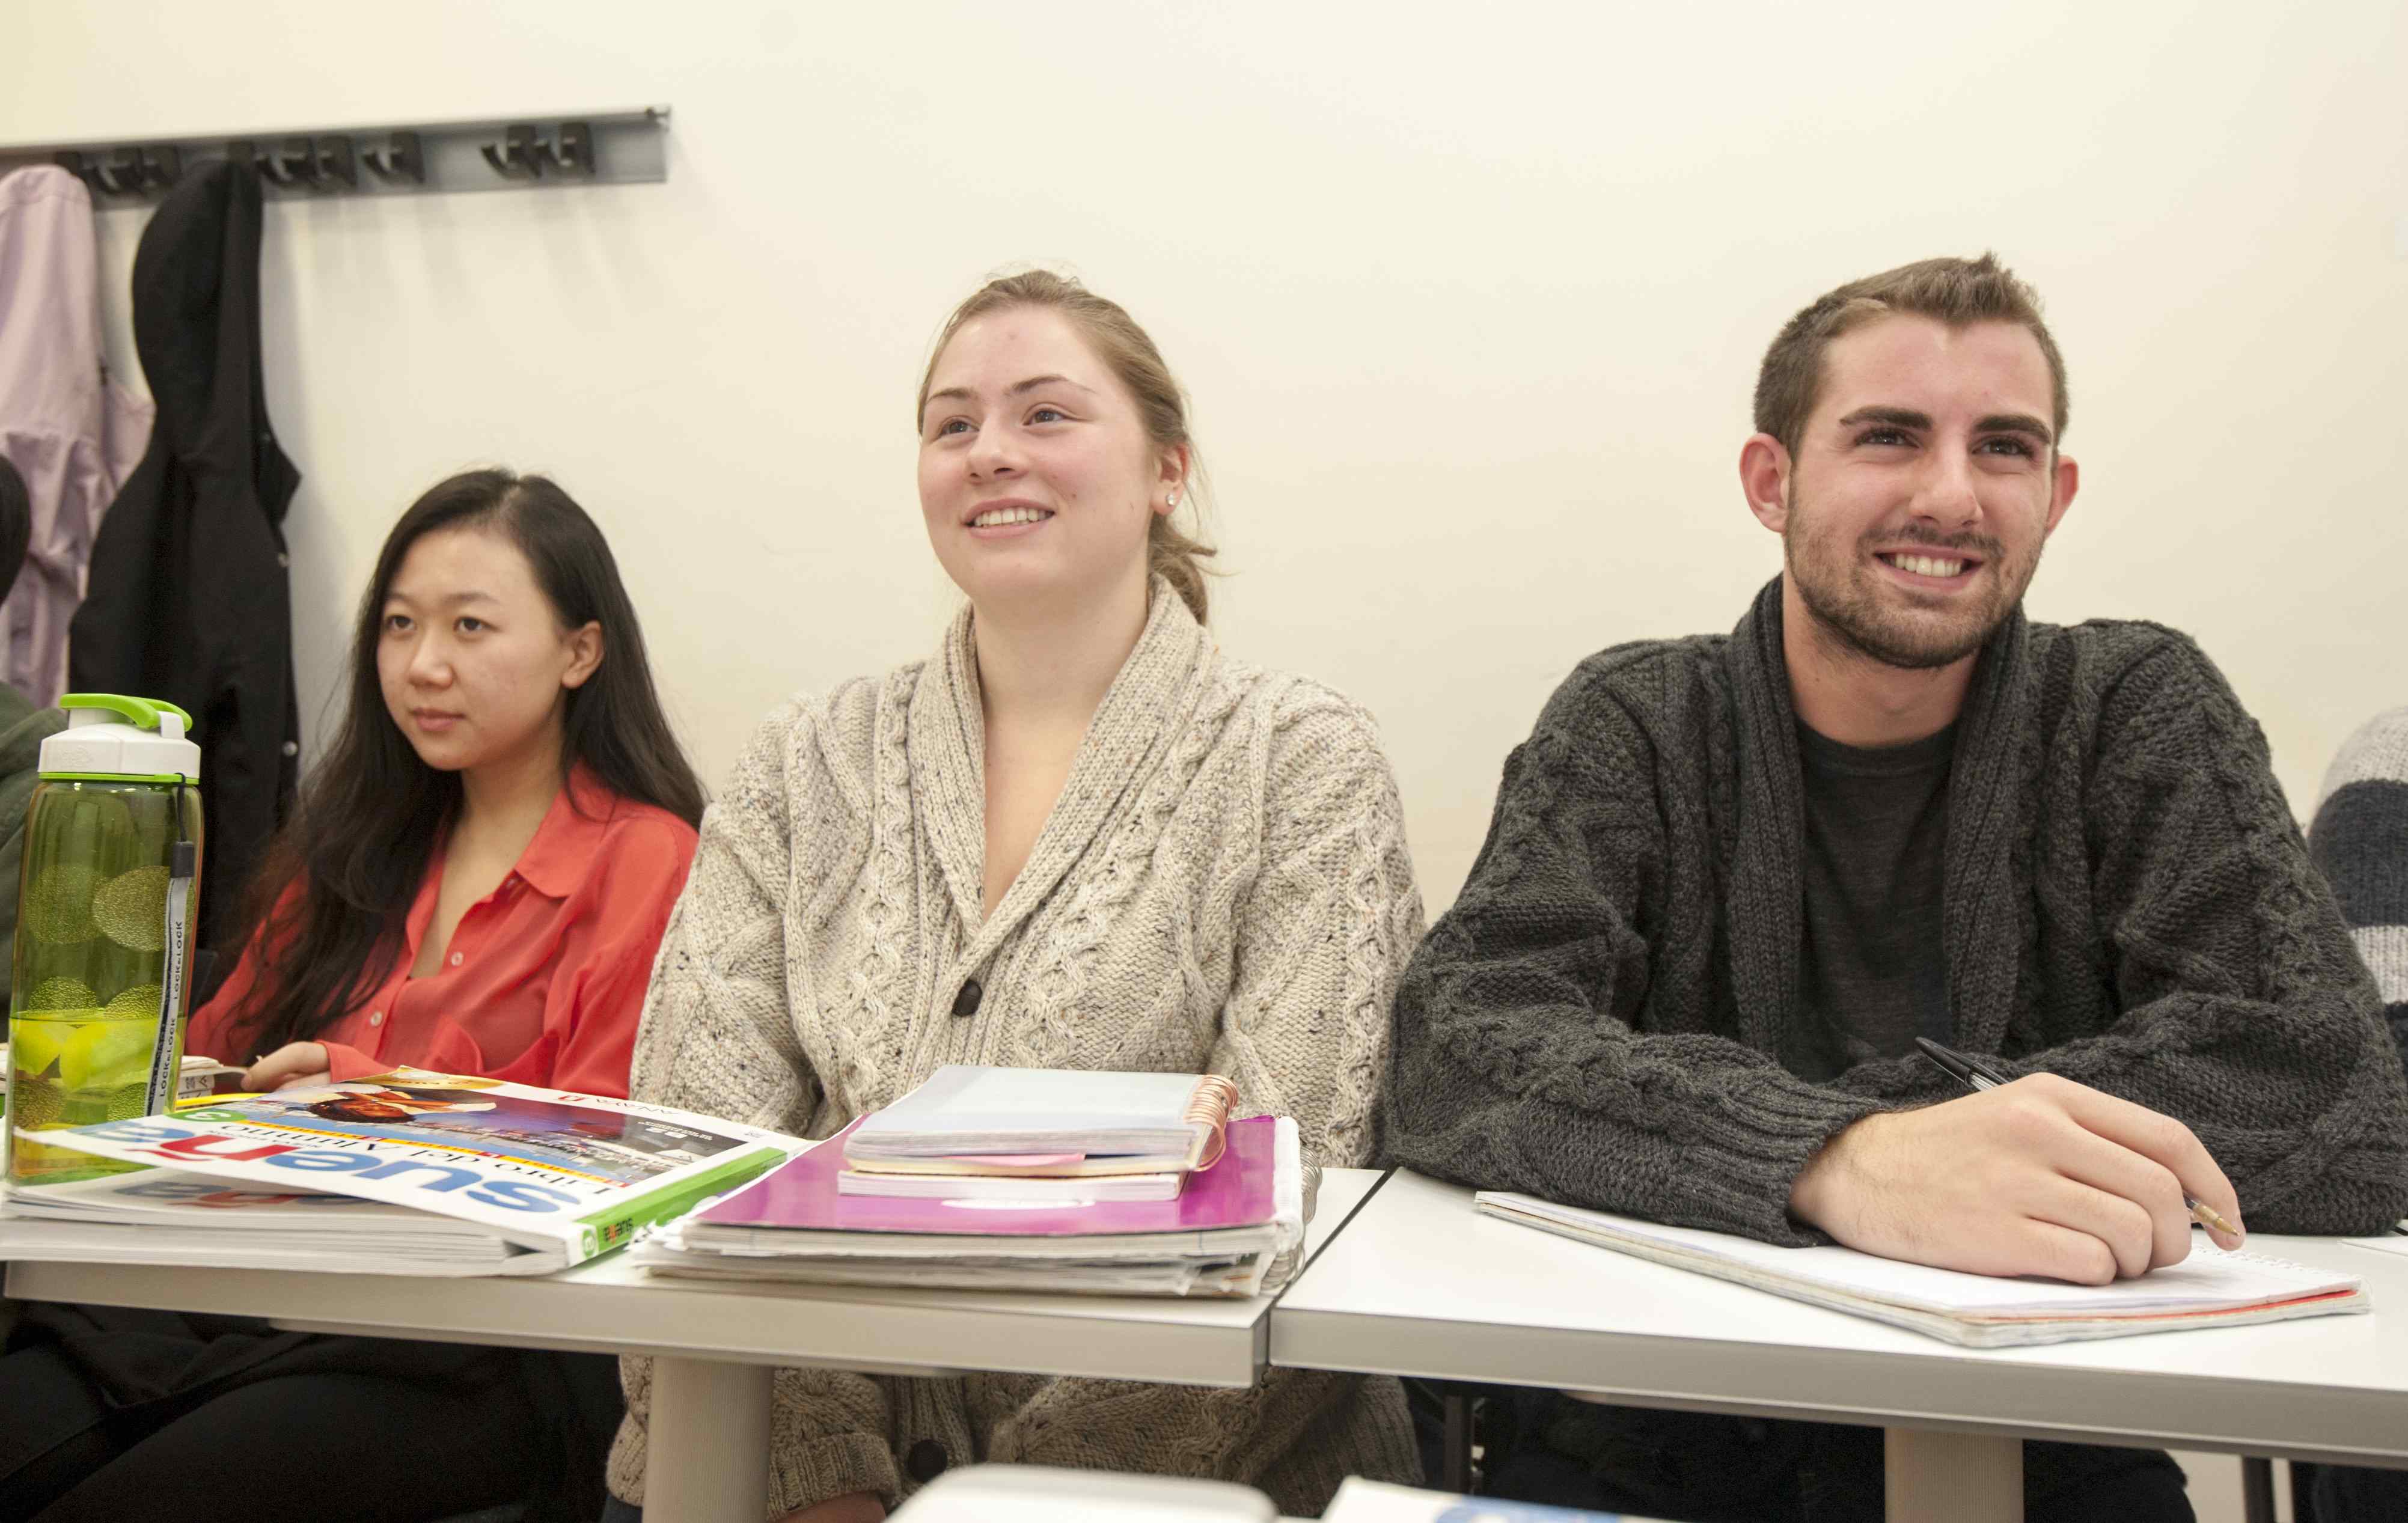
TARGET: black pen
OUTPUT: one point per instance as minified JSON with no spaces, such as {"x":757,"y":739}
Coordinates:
{"x":1977,"y":1075}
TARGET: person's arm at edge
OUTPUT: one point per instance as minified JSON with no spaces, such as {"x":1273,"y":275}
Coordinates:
{"x":21,"y":748}
{"x":214,"y":1029}
{"x":1323,"y":933}
{"x":719,"y":979}
{"x":2359,"y":842}
{"x":601,"y":1001}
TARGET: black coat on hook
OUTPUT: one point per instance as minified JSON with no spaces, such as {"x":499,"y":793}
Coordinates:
{"x":188,"y":597}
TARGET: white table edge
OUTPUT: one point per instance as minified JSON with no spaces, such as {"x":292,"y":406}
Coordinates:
{"x":1168,"y":1341}
{"x":2116,"y":1407}
{"x":1293,"y":1350}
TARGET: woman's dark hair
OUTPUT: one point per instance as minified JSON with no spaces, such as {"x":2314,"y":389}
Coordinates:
{"x":358,"y":844}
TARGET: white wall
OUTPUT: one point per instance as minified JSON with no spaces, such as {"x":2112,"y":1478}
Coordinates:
{"x":1470,"y":297}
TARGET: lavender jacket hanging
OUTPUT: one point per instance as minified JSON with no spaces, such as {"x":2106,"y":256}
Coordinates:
{"x":72,"y":433}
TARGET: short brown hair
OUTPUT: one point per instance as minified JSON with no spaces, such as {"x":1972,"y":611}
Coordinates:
{"x":1956,"y":292}
{"x":1175,"y":557}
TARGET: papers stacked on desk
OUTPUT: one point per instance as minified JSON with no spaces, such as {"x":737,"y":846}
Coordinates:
{"x":404,"y":1172}
{"x":1237,"y":1230}
{"x":166,"y":1217}
{"x":2210,"y":1289}
{"x":1041,"y":1134}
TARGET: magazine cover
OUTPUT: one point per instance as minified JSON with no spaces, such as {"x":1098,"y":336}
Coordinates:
{"x":547,"y":1167}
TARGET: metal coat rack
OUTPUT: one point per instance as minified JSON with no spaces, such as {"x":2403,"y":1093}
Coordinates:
{"x":590,"y":148}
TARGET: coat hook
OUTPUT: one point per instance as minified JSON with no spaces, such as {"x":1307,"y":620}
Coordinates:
{"x":571,"y":151}
{"x":74,"y":162}
{"x":402,"y":158}
{"x":121,"y":172}
{"x":332,"y":159}
{"x":161,"y":166}
{"x":515,"y":157}
{"x":290,"y":163}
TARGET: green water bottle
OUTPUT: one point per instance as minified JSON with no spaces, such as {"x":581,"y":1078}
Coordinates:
{"x":105,"y":913}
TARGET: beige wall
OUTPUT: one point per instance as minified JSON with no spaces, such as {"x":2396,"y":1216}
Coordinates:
{"x":1470,"y":297}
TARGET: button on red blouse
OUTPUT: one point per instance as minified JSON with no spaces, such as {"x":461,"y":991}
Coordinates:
{"x":544,"y":980}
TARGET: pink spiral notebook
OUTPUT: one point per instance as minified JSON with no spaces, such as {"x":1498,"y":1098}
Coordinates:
{"x":1238,"y":1189}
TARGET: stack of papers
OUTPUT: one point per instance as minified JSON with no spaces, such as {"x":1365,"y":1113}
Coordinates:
{"x":1237,"y":1230}
{"x":164,"y":1217}
{"x":406,"y":1173}
{"x":2210,"y":1289}
{"x":1039,"y":1134}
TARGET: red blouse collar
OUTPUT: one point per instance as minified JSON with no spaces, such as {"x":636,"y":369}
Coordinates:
{"x":562,"y":853}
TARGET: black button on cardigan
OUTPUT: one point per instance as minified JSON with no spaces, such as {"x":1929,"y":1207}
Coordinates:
{"x":927,"y":1458}
{"x":967,"y":1003}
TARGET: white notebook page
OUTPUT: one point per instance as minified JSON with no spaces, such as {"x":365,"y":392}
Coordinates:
{"x":961,"y":1098}
{"x":2208,"y":1279}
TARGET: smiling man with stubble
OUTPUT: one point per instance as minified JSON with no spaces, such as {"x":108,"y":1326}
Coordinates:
{"x":1730,"y":879}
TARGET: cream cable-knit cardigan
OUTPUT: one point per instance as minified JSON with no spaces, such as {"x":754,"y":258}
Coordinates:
{"x":1222,"y":887}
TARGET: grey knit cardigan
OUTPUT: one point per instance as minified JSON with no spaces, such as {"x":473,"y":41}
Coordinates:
{"x":1222,"y":885}
{"x":1603,"y":1016}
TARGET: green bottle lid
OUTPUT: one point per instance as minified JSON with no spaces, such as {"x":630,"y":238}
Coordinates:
{"x":109,"y":735}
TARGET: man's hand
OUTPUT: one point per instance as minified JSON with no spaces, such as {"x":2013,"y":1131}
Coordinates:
{"x":294,"y":1063}
{"x":852,"y":1507}
{"x":2040,"y":1176}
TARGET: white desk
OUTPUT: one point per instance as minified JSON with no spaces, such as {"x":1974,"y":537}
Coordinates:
{"x":1420,"y":1284}
{"x":716,"y":1344}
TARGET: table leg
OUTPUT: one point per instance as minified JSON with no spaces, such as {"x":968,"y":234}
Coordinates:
{"x":2256,"y":1489}
{"x":1458,"y":1442}
{"x":708,"y":1456}
{"x":1954,"y":1477}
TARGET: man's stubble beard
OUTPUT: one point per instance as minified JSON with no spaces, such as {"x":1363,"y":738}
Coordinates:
{"x":1838,"y":589}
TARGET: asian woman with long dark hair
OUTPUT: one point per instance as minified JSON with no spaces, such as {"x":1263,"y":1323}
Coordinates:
{"x":476,"y":882}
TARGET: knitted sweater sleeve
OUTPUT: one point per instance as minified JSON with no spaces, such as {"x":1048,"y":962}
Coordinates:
{"x":2247,"y":1013}
{"x":718,"y":1037}
{"x":2360,"y":842}
{"x":1516,"y":1063}
{"x":1323,"y":932}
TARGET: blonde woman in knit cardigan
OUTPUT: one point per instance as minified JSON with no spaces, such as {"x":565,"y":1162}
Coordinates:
{"x":1076,"y":835}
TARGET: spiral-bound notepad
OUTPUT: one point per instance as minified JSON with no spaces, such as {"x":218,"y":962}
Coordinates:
{"x":969,"y":1119}
{"x":2210,"y":1289}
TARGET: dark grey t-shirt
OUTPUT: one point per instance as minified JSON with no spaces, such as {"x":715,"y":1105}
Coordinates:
{"x":1874,"y":974}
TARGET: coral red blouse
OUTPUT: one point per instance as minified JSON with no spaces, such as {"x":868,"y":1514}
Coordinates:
{"x":544,"y":980}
